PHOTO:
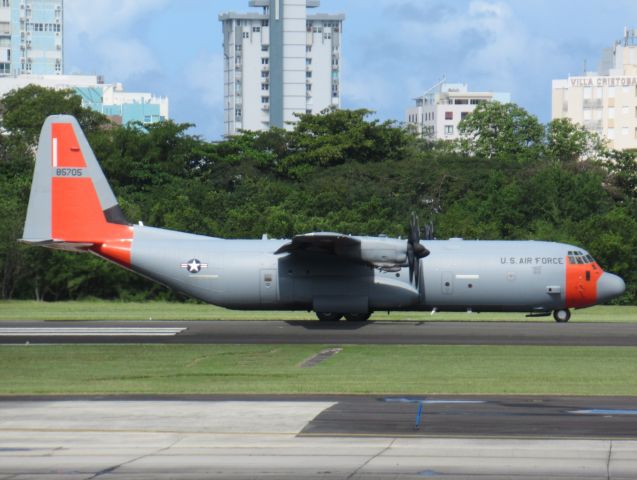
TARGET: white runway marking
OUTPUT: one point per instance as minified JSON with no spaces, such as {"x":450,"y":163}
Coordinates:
{"x":90,"y":331}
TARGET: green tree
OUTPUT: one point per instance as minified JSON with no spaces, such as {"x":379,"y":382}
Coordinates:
{"x":571,"y":144}
{"x":501,"y":130}
{"x":23,"y":112}
{"x":622,"y":174}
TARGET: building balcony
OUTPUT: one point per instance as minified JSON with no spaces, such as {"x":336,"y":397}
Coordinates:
{"x":265,"y":106}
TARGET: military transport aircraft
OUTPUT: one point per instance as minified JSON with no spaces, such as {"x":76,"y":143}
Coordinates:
{"x":72,"y":207}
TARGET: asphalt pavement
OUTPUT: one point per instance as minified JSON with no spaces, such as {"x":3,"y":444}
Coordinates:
{"x":314,"y":332}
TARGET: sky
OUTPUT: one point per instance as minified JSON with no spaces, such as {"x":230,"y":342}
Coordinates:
{"x":392,"y":50}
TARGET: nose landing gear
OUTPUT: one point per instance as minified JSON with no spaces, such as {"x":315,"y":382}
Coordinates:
{"x":562,"y":315}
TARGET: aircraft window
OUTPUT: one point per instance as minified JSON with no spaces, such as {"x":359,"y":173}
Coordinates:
{"x":579,"y":258}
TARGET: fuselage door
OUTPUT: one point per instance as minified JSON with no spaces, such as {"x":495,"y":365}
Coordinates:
{"x":447,"y":283}
{"x":269,"y":286}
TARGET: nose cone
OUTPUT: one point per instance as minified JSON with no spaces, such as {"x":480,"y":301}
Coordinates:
{"x":609,"y":286}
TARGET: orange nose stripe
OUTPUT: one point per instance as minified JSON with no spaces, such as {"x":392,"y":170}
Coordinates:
{"x":581,"y":289}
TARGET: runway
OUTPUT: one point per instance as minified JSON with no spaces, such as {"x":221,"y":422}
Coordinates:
{"x":314,"y":332}
{"x":344,"y":437}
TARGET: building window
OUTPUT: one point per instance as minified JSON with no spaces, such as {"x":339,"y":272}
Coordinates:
{"x":588,"y":93}
{"x":327,"y":36}
{"x":265,"y":74}
{"x":265,"y":99}
{"x":463,"y":115}
{"x":265,"y":48}
{"x":308,"y":74}
{"x":265,"y":86}
{"x":5,"y":3}
{"x":308,"y":61}
{"x":475,"y":101}
{"x":587,"y":115}
{"x":448,"y":115}
{"x":265,"y":61}
{"x":610,"y":133}
{"x":308,"y":87}
{"x":256,"y":29}
{"x":246,"y":34}
{"x":599,"y":92}
{"x":265,"y":23}
{"x":237,"y":48}
{"x":308,"y":48}
{"x":611,"y":113}
{"x":448,"y":129}
{"x":611,"y":92}
{"x":237,"y":112}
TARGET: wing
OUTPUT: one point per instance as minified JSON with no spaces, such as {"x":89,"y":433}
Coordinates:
{"x":376,"y":251}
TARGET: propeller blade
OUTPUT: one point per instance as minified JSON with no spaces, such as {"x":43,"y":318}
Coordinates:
{"x":415,"y":250}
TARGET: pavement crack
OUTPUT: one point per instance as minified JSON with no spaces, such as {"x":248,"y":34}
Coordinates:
{"x":355,"y":472}
{"x":141,"y":457}
{"x":610,"y":454}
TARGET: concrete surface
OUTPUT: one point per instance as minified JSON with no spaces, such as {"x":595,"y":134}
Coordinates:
{"x":103,"y":439}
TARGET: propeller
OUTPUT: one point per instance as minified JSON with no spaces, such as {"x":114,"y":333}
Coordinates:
{"x":415,"y":250}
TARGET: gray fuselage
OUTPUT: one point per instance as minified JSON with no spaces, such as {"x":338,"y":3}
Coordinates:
{"x":246,"y":274}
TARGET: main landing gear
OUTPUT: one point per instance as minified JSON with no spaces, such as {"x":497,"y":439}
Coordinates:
{"x":562,"y":316}
{"x":350,"y":317}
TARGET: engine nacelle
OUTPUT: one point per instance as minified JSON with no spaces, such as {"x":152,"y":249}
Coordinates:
{"x":380,"y":252}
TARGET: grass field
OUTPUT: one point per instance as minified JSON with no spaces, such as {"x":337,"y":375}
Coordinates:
{"x":421,"y":369}
{"x":113,"y":310}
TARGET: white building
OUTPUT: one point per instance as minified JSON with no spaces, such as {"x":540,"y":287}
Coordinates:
{"x":439,"y":111}
{"x":31,"y":37}
{"x":279,"y":62}
{"x":107,"y":98}
{"x":604,"y":101}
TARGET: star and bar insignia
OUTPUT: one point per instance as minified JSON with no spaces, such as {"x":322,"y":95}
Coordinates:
{"x":194,"y":265}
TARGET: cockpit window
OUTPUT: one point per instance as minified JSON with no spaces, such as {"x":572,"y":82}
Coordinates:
{"x":575,"y":257}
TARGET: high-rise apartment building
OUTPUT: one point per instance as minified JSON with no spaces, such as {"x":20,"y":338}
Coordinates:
{"x":439,"y":110}
{"x":31,"y":37}
{"x":604,"y":101}
{"x":279,"y":62}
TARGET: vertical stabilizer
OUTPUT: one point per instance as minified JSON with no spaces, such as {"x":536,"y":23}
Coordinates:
{"x":71,"y":204}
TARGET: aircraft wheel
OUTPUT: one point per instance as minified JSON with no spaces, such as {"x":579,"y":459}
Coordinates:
{"x":562,"y":316}
{"x":329,"y":316}
{"x":357,"y":317}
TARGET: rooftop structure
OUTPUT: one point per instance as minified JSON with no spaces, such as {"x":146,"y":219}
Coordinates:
{"x":438,"y":112}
